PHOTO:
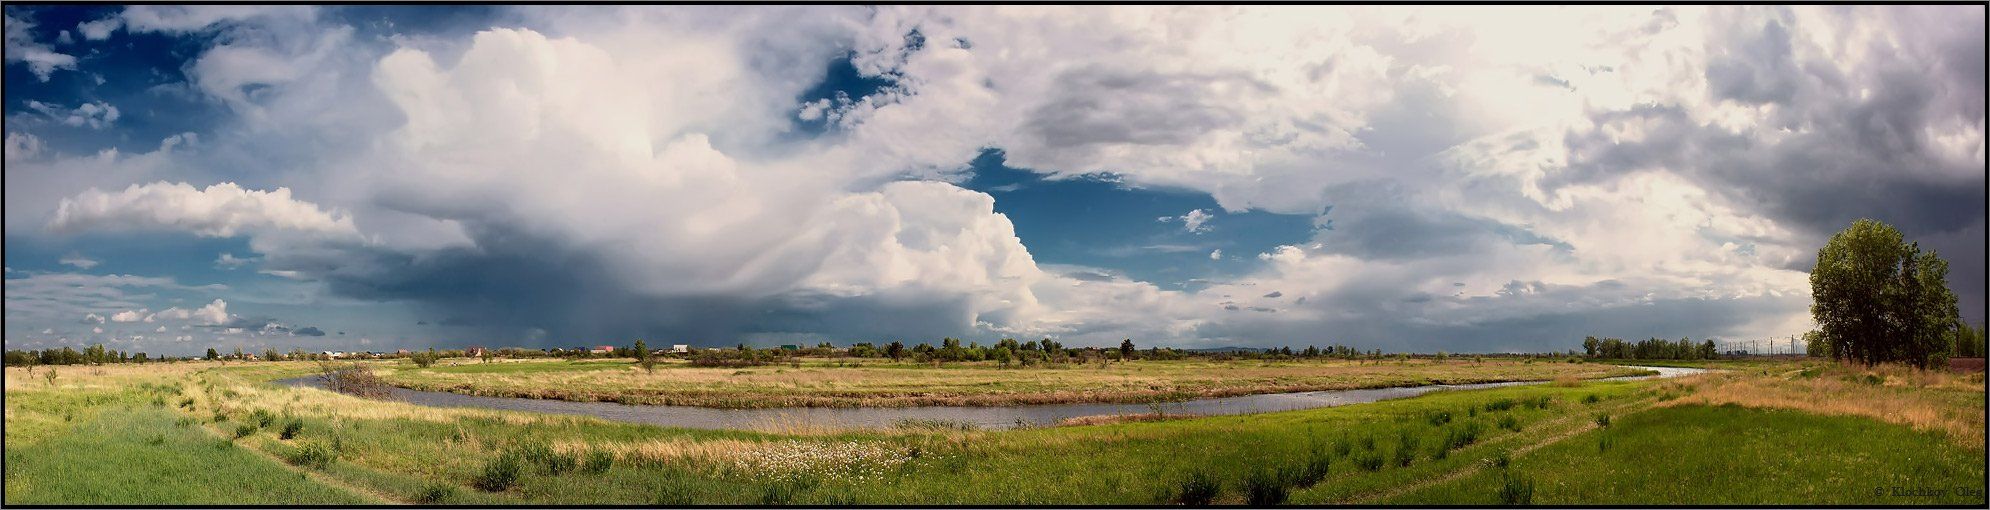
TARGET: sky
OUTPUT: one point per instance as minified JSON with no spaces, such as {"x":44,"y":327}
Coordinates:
{"x":1411,"y":179}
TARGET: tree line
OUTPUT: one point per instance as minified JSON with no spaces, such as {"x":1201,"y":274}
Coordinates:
{"x":1654,"y":348}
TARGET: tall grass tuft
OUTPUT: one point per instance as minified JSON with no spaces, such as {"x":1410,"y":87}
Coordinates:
{"x":244,"y":430}
{"x":1516,"y":490}
{"x":1198,"y":489}
{"x":1406,"y":447}
{"x":1314,"y":469}
{"x":1508,"y":422}
{"x":598,"y":461}
{"x":435,"y":493}
{"x":1264,"y":487}
{"x":315,"y":455}
{"x":1602,"y":420}
{"x":290,"y":429}
{"x":500,"y":472}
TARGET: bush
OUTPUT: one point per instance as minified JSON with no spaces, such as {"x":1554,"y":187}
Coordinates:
{"x":1464,"y":435}
{"x":261,"y":418}
{"x":313,"y":455}
{"x":1516,"y":490}
{"x":1438,"y":418}
{"x":435,"y":493}
{"x":1406,"y":449}
{"x":549,"y":461}
{"x":599,"y":461}
{"x":500,"y":472}
{"x":1371,"y":461}
{"x":291,"y":428}
{"x":244,"y":430}
{"x":1314,"y":469}
{"x":1508,"y":422}
{"x":1264,"y":488}
{"x":1199,"y":489}
{"x":353,"y":379}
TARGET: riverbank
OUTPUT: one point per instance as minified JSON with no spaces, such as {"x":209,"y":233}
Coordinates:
{"x":855,"y":382}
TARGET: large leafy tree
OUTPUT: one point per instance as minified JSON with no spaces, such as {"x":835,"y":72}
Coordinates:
{"x":1878,"y":298}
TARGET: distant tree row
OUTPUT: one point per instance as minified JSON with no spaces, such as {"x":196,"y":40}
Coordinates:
{"x":92,"y":355}
{"x":1655,"y":348}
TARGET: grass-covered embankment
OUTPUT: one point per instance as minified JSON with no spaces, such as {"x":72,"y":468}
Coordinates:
{"x":854,"y":382}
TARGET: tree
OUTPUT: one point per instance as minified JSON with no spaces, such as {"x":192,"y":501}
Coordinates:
{"x":1126,"y":349}
{"x":644,"y":358}
{"x":1969,"y":341}
{"x":896,"y":350}
{"x":213,"y":354}
{"x":1877,"y":298}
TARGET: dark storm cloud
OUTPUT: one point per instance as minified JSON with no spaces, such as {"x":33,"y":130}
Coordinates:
{"x":309,"y":331}
{"x":1096,"y":106}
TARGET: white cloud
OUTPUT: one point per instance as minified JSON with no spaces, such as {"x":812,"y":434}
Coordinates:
{"x":220,"y":210}
{"x":92,"y":318}
{"x":100,"y":29}
{"x":22,"y":145}
{"x":213,"y":313}
{"x":1216,"y":254}
{"x":194,"y":18}
{"x":94,"y":115}
{"x":230,"y":261}
{"x":40,"y":59}
{"x":130,"y":315}
{"x":78,"y":260}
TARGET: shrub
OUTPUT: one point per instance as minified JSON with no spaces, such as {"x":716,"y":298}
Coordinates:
{"x":290,"y":429}
{"x":500,"y":472}
{"x":599,"y":461}
{"x":1371,"y":461}
{"x":1313,"y":469}
{"x":1463,"y":435}
{"x":313,"y":455}
{"x":1406,"y":449}
{"x":549,"y":461}
{"x":1508,"y":422}
{"x":1438,"y":418}
{"x":261,"y":418}
{"x":353,"y":379}
{"x":435,"y":493}
{"x":1198,"y":489}
{"x":1516,"y":490}
{"x":244,"y":430}
{"x":1264,"y":488}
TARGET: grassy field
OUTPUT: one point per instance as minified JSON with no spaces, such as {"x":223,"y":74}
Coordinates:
{"x":90,"y":438}
{"x":853,"y":382}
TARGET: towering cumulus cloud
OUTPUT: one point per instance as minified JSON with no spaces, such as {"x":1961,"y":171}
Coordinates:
{"x":1477,"y":178}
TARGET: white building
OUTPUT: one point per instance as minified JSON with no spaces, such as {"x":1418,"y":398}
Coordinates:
{"x":680,"y":348}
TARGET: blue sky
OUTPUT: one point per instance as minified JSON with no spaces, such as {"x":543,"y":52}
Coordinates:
{"x":1417,"y":179}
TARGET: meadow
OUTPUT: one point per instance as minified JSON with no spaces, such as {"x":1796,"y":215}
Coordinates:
{"x":206,"y":432}
{"x":862,"y":382}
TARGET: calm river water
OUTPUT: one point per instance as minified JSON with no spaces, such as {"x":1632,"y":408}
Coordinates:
{"x":984,"y":417}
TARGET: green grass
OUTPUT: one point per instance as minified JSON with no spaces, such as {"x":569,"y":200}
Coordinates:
{"x":116,"y":451}
{"x":1316,"y":456}
{"x":1728,"y":455}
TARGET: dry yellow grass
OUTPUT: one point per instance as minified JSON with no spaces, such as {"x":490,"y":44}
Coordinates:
{"x":1923,"y":399}
{"x":876,"y":384}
